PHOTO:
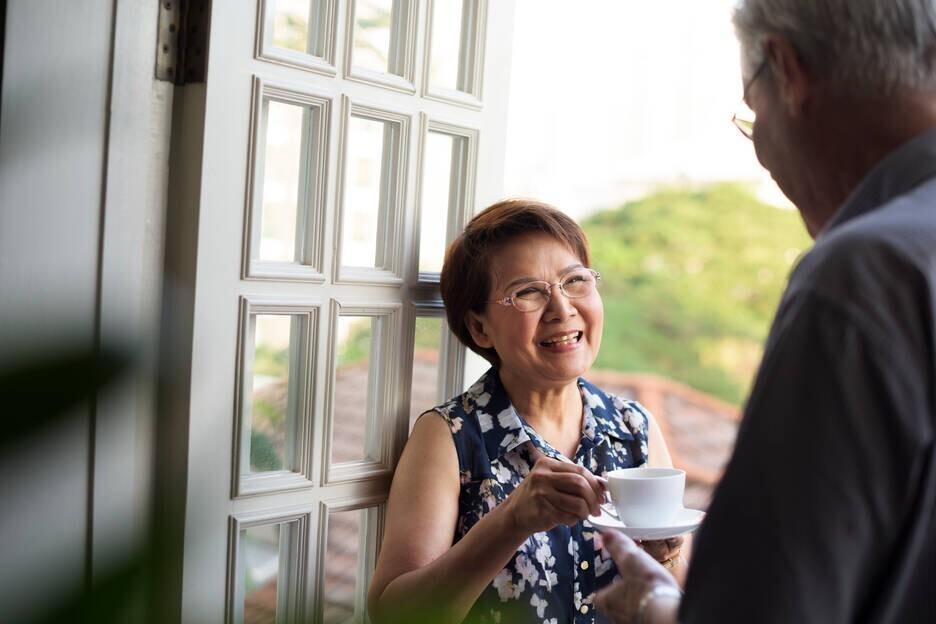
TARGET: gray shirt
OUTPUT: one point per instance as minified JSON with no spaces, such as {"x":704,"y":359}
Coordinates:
{"x":827,"y":509}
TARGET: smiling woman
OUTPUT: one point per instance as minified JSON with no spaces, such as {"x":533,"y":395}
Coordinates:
{"x":487,"y":512}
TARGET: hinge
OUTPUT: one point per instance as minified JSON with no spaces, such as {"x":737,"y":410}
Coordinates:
{"x":182,"y":40}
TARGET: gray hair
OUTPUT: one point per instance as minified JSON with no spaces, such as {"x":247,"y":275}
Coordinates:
{"x":861,"y":46}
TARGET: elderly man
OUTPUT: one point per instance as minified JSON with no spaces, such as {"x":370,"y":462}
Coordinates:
{"x":827,"y":510}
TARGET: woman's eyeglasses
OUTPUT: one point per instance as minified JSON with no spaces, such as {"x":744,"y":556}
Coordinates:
{"x":532,"y":296}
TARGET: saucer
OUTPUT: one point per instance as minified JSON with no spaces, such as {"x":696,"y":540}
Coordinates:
{"x":686,"y":521}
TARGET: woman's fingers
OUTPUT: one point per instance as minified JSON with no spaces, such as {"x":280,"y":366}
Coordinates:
{"x":559,"y":515}
{"x":575,"y":485}
{"x":596,"y":483}
{"x":570,"y":504}
{"x":662,"y":550}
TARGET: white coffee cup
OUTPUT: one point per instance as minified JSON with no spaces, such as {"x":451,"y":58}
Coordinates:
{"x":647,"y":497}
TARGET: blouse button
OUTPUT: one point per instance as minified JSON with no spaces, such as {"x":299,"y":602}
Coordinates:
{"x":584,"y":565}
{"x":584,"y":609}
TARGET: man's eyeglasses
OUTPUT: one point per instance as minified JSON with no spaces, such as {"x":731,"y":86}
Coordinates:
{"x":744,"y":118}
{"x":532,"y":296}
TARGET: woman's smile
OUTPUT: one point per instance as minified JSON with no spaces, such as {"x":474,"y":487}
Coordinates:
{"x":562,"y":342}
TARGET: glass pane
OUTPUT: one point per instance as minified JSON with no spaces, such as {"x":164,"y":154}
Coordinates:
{"x":352,"y":383}
{"x":427,"y":349}
{"x":341,"y":565}
{"x":446,"y":43}
{"x":361,"y":214}
{"x":272,"y":408}
{"x":291,"y":26}
{"x":475,"y":366}
{"x":282,"y":169}
{"x":372,"y":30}
{"x":260,"y":549}
{"x":436,"y":189}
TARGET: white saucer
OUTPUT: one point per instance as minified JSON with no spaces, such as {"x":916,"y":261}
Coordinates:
{"x":686,"y":521}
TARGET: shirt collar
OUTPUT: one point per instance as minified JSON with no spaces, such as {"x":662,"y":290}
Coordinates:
{"x":897,"y":173}
{"x":504,"y":429}
{"x":603,"y":417}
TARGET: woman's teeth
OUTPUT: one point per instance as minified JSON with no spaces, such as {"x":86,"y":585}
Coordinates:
{"x":563,"y":339}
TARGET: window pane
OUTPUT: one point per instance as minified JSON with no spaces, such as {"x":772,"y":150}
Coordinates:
{"x":352,"y":388}
{"x":282,"y":167}
{"x":361,"y":211}
{"x":427,"y":350}
{"x":342,"y":550}
{"x":446,"y":43}
{"x":475,"y":366}
{"x":372,"y":31}
{"x":260,"y":549}
{"x":273,"y":403}
{"x":291,"y":22}
{"x":436,"y":205}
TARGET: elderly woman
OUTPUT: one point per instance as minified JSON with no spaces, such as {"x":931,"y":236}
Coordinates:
{"x":486,"y":517}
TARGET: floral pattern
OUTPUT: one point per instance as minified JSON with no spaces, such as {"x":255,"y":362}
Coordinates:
{"x":554,"y":575}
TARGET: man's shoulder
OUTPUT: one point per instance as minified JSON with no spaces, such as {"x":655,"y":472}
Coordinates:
{"x":878,"y":270}
{"x":881,"y":250}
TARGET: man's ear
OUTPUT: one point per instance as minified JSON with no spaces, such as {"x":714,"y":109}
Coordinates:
{"x":476,"y":325}
{"x":792,"y":77}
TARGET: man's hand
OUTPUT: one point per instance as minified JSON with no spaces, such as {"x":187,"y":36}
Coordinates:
{"x":640,"y":575}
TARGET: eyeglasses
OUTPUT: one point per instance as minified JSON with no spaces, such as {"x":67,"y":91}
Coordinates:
{"x":532,"y":296}
{"x":744,"y":118}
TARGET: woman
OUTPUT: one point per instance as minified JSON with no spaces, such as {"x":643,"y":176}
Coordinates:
{"x":486,"y":512}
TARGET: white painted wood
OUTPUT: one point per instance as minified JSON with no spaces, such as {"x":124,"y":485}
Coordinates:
{"x":395,"y":168}
{"x":294,"y":561}
{"x":214,"y":155}
{"x":131,"y":286}
{"x":52,"y":161}
{"x":302,"y":378}
{"x":463,"y":181}
{"x":371,"y":531}
{"x":382,"y":392}
{"x":84,"y":137}
{"x":313,"y":174}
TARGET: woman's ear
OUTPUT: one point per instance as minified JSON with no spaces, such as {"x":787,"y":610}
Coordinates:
{"x":477,"y":325}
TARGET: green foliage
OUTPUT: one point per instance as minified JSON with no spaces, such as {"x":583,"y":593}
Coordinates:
{"x":268,"y":412}
{"x":263,"y":456}
{"x":271,"y":362}
{"x":690,"y":281}
{"x":428,"y":333}
{"x":356,"y":347}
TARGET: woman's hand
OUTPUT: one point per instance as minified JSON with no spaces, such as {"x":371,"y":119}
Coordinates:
{"x":554,"y":493}
{"x":646,"y":592}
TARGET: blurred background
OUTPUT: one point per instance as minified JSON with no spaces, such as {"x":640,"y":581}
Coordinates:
{"x":619,"y":114}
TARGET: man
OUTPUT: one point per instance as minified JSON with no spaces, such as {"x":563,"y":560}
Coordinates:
{"x":827,"y":509}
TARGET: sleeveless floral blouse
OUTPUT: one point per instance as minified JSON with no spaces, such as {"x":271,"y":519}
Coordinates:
{"x":554,"y":575}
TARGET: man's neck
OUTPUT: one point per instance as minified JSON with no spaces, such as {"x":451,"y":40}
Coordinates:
{"x":853,"y":136}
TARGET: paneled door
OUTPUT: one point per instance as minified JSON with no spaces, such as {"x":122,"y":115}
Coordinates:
{"x":333,"y":151}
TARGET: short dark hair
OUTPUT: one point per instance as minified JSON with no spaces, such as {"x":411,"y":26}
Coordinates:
{"x":466,"y":272}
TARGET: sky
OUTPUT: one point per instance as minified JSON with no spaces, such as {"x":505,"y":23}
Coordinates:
{"x":615,"y":97}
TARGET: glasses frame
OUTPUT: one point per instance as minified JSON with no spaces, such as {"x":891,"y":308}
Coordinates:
{"x":744,"y":125}
{"x":511,"y":299}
